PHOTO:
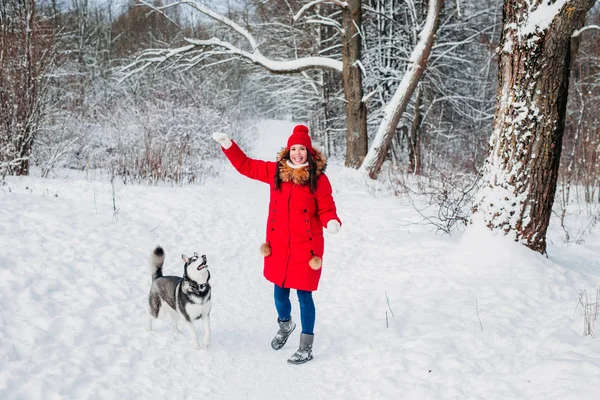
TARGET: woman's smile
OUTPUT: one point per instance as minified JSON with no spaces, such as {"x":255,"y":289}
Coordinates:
{"x":298,"y":154}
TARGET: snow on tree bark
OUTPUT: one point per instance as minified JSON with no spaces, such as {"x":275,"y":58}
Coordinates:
{"x":521,"y":170}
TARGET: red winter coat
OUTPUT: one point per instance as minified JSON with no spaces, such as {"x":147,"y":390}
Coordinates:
{"x":296,"y":218}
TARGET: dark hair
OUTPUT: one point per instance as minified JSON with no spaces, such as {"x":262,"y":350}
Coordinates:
{"x":312,"y":171}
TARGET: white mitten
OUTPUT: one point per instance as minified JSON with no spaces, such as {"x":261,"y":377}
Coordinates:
{"x":223,"y":139}
{"x":333,"y":226}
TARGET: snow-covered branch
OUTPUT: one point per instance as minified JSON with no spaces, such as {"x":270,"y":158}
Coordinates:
{"x":55,"y":152}
{"x":454,"y":45}
{"x":154,"y":56}
{"x":585,"y":28}
{"x":5,"y":165}
{"x":275,"y":66}
{"x":221,"y":47}
{"x":319,"y":19}
{"x":315,"y":2}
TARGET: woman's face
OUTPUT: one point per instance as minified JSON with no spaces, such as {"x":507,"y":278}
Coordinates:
{"x":298,"y":154}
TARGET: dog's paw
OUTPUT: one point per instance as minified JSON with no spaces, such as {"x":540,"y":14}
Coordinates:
{"x":197,"y":346}
{"x":206,"y":346}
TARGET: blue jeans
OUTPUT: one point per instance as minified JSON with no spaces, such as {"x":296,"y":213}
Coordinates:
{"x":307,"y":308}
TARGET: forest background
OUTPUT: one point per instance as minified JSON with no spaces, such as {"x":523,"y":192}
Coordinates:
{"x":103,"y":86}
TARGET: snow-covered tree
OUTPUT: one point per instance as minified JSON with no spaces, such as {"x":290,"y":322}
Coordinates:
{"x":403,"y":93}
{"x":249,"y":49}
{"x":520,"y":176}
{"x":580,"y":166}
{"x":26,"y":55}
{"x":453,"y":103}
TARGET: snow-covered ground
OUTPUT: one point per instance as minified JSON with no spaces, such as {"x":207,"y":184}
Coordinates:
{"x":402,"y":313}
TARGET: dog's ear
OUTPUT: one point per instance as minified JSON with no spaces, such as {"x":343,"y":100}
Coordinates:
{"x":184,"y":258}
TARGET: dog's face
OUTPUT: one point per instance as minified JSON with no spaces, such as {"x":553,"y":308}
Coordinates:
{"x":196,"y":268}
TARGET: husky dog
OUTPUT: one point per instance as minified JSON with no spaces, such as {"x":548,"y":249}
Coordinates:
{"x":187,"y":297}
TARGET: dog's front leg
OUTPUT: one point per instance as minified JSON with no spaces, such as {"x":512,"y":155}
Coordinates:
{"x":193,"y":335}
{"x":206,"y":320}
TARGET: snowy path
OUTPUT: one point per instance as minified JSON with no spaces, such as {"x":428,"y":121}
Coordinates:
{"x":73,"y":286}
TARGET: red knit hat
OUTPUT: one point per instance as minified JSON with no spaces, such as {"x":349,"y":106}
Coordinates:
{"x":300,"y":136}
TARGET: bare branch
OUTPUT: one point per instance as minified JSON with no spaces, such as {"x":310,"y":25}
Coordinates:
{"x":585,"y":28}
{"x":315,"y":2}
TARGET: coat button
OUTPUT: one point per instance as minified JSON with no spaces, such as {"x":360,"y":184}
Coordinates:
{"x":272,"y":220}
{"x":305,"y":210}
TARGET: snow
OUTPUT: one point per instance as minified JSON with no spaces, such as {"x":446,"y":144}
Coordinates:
{"x":401,"y":312}
{"x":539,"y":19}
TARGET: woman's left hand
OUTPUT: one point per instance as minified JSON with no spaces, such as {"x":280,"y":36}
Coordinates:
{"x":333,"y":226}
{"x":222,"y":139}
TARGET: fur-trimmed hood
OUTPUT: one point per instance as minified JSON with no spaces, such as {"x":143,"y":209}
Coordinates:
{"x":299,"y":176}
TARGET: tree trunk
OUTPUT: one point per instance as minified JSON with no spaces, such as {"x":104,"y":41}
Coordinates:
{"x":356,"y":111}
{"x":521,"y":171}
{"x":414,"y":145}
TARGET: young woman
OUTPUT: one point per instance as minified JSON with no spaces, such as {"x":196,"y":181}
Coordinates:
{"x":300,"y":206}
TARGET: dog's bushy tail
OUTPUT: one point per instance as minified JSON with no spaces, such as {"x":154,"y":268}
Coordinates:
{"x":156,"y":262}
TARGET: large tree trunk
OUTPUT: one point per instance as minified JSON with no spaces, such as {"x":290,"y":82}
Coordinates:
{"x":520,"y":175}
{"x":356,"y":111}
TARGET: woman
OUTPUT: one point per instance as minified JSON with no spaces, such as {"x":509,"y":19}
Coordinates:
{"x":300,"y":206}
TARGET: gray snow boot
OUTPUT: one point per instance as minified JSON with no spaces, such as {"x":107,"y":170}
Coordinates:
{"x":304,"y":352}
{"x":285,"y":330}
